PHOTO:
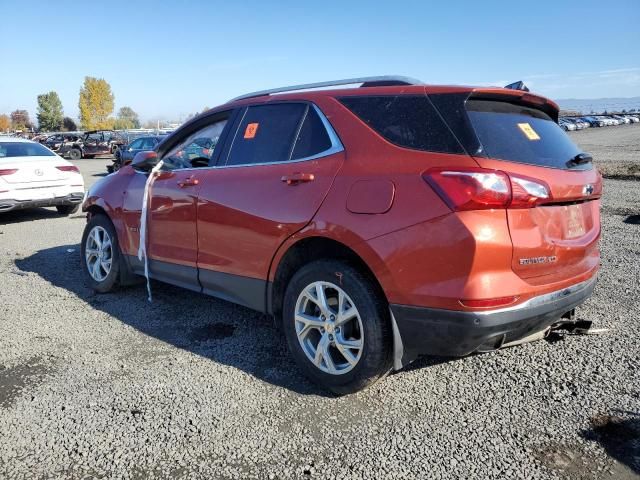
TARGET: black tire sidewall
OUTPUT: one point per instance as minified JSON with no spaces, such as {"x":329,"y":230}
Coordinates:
{"x":111,"y":281}
{"x":73,"y":155}
{"x":376,"y":359}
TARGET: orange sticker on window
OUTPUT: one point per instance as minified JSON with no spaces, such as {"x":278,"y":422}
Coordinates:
{"x":251,"y":130}
{"x":528,"y":131}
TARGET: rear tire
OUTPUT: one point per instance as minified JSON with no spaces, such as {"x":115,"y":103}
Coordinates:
{"x":75,"y":154}
{"x":100,"y":244}
{"x":352,"y":331}
{"x":67,"y":209}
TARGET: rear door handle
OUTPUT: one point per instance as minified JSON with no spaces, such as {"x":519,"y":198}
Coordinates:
{"x":188,"y":182}
{"x":296,"y":178}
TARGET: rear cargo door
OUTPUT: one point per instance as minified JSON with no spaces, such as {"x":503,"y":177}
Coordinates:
{"x":556,"y":239}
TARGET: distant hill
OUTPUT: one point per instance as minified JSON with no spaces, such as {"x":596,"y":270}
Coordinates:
{"x":599,"y":105}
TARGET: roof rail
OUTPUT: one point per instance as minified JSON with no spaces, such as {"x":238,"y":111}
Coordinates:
{"x":380,"y":81}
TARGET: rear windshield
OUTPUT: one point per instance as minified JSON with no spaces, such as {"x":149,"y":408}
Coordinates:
{"x":24,"y":149}
{"x":520,"y":134}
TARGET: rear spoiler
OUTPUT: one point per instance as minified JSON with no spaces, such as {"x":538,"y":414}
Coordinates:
{"x":518,"y":96}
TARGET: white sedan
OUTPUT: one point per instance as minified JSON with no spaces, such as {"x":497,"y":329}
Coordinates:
{"x":31,"y":175}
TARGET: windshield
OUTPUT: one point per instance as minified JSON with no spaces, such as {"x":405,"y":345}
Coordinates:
{"x":520,"y":134}
{"x":24,"y":149}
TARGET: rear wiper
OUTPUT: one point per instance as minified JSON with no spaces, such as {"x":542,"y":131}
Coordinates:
{"x":579,"y":159}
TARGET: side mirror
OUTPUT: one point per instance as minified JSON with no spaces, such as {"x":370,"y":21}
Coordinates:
{"x":145,"y":161}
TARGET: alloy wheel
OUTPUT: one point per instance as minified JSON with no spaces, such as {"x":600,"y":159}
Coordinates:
{"x":329,"y":328}
{"x":98,"y":253}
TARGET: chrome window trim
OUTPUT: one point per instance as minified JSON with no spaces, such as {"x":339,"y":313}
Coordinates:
{"x":336,"y":147}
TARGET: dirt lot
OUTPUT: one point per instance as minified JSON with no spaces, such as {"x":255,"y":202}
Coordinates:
{"x":110,"y":386}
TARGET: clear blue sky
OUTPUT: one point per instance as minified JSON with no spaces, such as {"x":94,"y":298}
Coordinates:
{"x":168,"y":59}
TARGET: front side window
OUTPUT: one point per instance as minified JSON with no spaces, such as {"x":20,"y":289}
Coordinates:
{"x":23,"y":149}
{"x":197,"y":149}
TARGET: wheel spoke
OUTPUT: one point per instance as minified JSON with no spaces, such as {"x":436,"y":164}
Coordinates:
{"x":97,"y":239}
{"x":96,"y":271}
{"x":320,"y":351}
{"x":321,"y":298}
{"x":346,"y":353}
{"x":106,"y":244}
{"x":327,"y":359}
{"x":309,"y":323}
{"x":106,"y":265}
{"x":344,"y":317}
{"x":350,"y":344}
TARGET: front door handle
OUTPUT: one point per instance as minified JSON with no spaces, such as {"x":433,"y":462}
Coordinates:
{"x":188,"y":182}
{"x":296,"y":178}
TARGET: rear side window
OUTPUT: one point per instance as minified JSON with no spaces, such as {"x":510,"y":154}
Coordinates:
{"x":267,"y":134}
{"x":408,"y":121}
{"x":520,"y":134}
{"x":312,"y":138}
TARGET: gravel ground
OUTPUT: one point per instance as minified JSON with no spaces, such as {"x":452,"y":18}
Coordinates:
{"x":616,"y":150}
{"x":109,"y":386}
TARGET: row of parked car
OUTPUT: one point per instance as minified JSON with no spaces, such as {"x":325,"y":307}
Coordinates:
{"x":579,"y":123}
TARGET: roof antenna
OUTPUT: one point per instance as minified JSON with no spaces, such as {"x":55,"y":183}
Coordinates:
{"x":519,"y":85}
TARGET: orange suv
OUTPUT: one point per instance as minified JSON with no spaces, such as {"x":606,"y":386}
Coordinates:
{"x":375,"y":223}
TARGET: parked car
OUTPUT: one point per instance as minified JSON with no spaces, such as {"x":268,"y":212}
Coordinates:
{"x":54,"y":142}
{"x":566,"y":125}
{"x":93,"y":143}
{"x":124,"y":155}
{"x":622,"y":119}
{"x":31,"y":175}
{"x":593,"y":121}
{"x":579,"y":125}
{"x":376,"y":224}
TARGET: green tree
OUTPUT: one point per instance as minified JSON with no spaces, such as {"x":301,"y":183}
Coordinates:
{"x":127,"y":114}
{"x":5,"y":123}
{"x":96,"y":104}
{"x":69,"y":125}
{"x":49,"y":114}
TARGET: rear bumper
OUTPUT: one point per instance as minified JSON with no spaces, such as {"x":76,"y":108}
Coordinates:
{"x":7,"y":205}
{"x":429,"y":331}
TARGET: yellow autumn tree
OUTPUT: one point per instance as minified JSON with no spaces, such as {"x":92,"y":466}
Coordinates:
{"x":5,"y":123}
{"x":96,"y":104}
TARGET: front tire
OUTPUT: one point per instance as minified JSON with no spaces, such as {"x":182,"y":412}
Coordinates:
{"x":67,"y":209}
{"x":337,"y":326}
{"x":101,"y":254}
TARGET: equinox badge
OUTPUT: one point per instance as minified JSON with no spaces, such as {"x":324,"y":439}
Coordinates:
{"x":536,"y":260}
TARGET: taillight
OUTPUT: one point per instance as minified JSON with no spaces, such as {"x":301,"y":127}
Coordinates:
{"x":527,"y":192}
{"x":482,"y":189}
{"x":69,"y":168}
{"x":8,"y":171}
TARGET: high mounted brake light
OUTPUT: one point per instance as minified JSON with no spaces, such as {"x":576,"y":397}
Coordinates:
{"x":483,"y":189}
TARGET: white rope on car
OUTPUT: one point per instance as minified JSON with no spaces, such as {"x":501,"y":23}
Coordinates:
{"x":142,"y":247}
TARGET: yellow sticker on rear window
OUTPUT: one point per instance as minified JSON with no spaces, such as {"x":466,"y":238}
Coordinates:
{"x":529,"y":132}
